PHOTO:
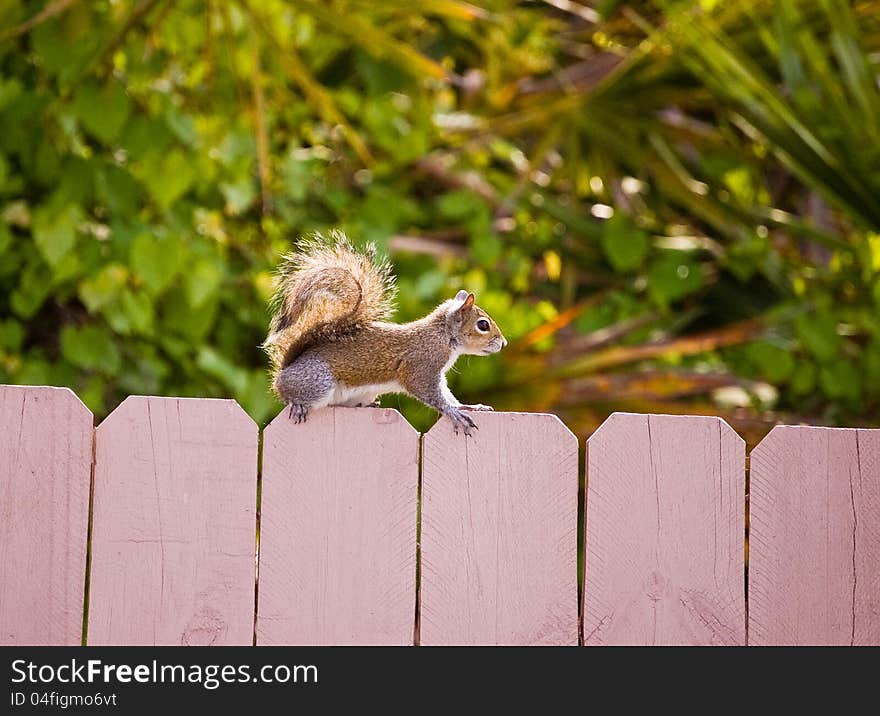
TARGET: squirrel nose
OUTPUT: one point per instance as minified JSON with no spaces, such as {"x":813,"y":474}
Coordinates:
{"x":503,"y":341}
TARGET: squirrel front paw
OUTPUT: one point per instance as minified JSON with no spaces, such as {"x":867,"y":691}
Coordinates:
{"x":297,"y":412}
{"x":460,"y":420}
{"x":476,"y":406}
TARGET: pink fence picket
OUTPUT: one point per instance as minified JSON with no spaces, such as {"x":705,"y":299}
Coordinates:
{"x":499,"y":532}
{"x":46,"y":439}
{"x":174,"y":524}
{"x":814,"y":537}
{"x":664,"y":532}
{"x":338,"y":529}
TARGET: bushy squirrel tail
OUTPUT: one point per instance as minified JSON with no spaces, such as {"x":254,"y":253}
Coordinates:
{"x":326,"y":289}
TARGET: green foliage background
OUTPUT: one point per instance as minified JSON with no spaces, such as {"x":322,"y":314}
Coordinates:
{"x":667,"y":206}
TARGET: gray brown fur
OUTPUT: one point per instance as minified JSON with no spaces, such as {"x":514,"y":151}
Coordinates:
{"x":332,"y":352}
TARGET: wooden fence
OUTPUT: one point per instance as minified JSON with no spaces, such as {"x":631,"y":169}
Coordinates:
{"x":172,"y":524}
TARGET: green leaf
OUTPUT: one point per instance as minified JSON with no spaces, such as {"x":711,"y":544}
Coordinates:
{"x":625,"y":245}
{"x":11,"y":334}
{"x":486,"y":247}
{"x":803,"y":379}
{"x":183,"y":126}
{"x":191,"y":323}
{"x":116,"y":318}
{"x":818,"y":333}
{"x":202,"y":282}
{"x":297,"y":177}
{"x":840,"y":379}
{"x":167,"y":176}
{"x":157,"y":260}
{"x":118,"y":190}
{"x":872,"y":367}
{"x":220,"y":367}
{"x":138,"y":309}
{"x":91,"y":347}
{"x":239,"y":196}
{"x":32,"y":290}
{"x":773,"y":363}
{"x":673,"y":277}
{"x":5,"y":238}
{"x":55,"y":231}
{"x":103,"y":111}
{"x":143,"y":136}
{"x":65,"y":44}
{"x":102,"y":288}
{"x":458,"y":205}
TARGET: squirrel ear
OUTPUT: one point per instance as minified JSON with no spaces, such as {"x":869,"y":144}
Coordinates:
{"x":461,"y":296}
{"x":468,"y":301}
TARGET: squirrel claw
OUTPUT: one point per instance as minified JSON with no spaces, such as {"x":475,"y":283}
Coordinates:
{"x":297,"y":412}
{"x":460,"y":420}
{"x":476,"y":406}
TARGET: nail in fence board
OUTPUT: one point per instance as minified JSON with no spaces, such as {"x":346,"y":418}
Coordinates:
{"x":174,"y":524}
{"x":45,"y":471}
{"x":499,"y":532}
{"x":814,"y":539}
{"x":338,"y":529}
{"x":665,"y":518}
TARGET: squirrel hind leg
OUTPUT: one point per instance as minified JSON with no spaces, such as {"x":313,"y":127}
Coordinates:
{"x":297,"y":412}
{"x":304,"y":384}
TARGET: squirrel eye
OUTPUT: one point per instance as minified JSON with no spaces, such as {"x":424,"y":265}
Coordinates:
{"x":483,"y":325}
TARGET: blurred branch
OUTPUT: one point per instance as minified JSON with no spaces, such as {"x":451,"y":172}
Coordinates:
{"x":644,"y":385}
{"x":601,"y":337}
{"x":373,"y":40}
{"x":688,"y":345}
{"x":137,"y":14}
{"x":439,"y":167}
{"x":564,"y":318}
{"x":263,"y":166}
{"x":426,"y":246}
{"x":455,"y":9}
{"x":52,"y":9}
{"x":578,"y":77}
{"x":581,"y":11}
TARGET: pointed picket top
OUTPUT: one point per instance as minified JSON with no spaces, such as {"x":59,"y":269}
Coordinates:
{"x":130,"y":406}
{"x":338,"y":529}
{"x":664,"y":532}
{"x":814,"y":537}
{"x":174,"y":524}
{"x":622,"y":415}
{"x":499,"y":532}
{"x":46,"y":444}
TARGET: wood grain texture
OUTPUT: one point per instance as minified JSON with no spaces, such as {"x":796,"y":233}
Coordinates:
{"x":499,"y":532}
{"x":174,"y":524}
{"x":46,"y":439}
{"x":814,"y":538}
{"x":338,"y":529}
{"x":664,"y":533}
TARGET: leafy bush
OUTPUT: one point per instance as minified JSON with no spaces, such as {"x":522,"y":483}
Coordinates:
{"x":668,"y":206}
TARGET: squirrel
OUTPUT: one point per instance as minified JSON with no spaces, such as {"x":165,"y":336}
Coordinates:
{"x":330,"y":341}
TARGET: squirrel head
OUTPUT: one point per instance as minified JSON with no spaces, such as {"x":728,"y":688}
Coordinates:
{"x":473,"y":329}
